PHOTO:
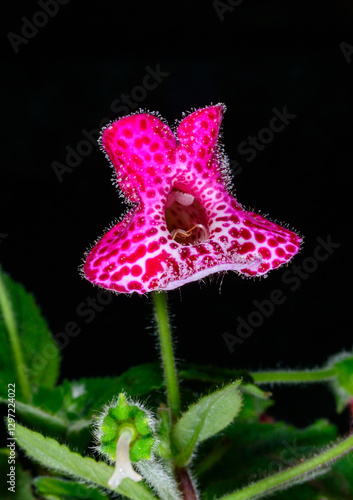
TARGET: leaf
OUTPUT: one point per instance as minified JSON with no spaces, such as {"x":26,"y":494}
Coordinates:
{"x":67,"y":490}
{"x":257,"y":450}
{"x":35,"y":347}
{"x":342,"y":385}
{"x":53,"y":455}
{"x":210,"y":415}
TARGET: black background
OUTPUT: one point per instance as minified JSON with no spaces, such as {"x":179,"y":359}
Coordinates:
{"x":262,"y":55}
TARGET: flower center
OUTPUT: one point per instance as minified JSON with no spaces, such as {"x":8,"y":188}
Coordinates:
{"x":186,"y":218}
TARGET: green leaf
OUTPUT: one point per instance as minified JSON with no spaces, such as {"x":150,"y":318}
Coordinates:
{"x":256,"y":450}
{"x":343,"y":384}
{"x":210,"y":415}
{"x":53,"y":455}
{"x":67,"y":490}
{"x":29,"y":356}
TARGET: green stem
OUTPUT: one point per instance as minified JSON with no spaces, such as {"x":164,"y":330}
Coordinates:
{"x":161,"y":313}
{"x":288,"y":376}
{"x":297,"y":474}
{"x":10,"y":325}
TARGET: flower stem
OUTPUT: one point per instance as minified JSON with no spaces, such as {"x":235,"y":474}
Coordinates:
{"x":11,"y":327}
{"x":161,"y":314}
{"x":299,"y":473}
{"x":292,"y":376}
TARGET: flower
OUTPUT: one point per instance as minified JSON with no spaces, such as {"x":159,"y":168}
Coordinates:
{"x":185,"y":224}
{"x":125,"y":433}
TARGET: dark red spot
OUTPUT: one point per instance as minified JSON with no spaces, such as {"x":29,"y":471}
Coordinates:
{"x":136,"y":270}
{"x":152,"y":231}
{"x":259,"y":237}
{"x":104,"y":276}
{"x":151,"y":171}
{"x":182,"y":158}
{"x":153,"y":247}
{"x":118,"y":275}
{"x":248,"y":223}
{"x":280,"y":252}
{"x":234,"y":233}
{"x":157,"y":180}
{"x":121,"y":143}
{"x":127,"y":132}
{"x":198,"y":167}
{"x":146,"y":140}
{"x":204,"y":124}
{"x":140,"y":252}
{"x":125,"y":245}
{"x":280,"y":239}
{"x":162,"y":240}
{"x":272,"y":242}
{"x":143,"y":124}
{"x":290,"y":248}
{"x":246,"y":247}
{"x":154,"y":146}
{"x":245,"y":233}
{"x":265,"y":252}
{"x":151,"y":194}
{"x":138,"y":237}
{"x":134,"y":285}
{"x":276,"y":263}
{"x":264,"y":267}
{"x":141,"y":221}
{"x":206,"y":139}
{"x":137,"y":160}
{"x":211,"y":116}
{"x":158,"y":157}
{"x":138,"y":143}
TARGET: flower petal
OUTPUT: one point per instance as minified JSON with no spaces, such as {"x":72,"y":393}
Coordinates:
{"x":186,"y":224}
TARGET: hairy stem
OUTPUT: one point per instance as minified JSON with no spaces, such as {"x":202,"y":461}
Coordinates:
{"x":161,"y":314}
{"x":293,"y":376}
{"x":185,"y":483}
{"x":299,"y":473}
{"x":11,"y":327}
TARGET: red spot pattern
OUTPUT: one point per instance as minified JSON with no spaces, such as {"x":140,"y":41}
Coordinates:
{"x":139,"y":254}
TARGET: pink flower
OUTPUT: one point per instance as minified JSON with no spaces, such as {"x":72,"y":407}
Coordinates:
{"x":185,"y":224}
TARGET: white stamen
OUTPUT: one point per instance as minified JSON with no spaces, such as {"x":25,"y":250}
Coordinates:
{"x":123,"y":467}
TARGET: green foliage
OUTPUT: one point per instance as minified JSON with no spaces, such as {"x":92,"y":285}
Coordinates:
{"x":63,"y":489}
{"x":25,"y":339}
{"x":55,"y":456}
{"x":245,"y":446}
{"x":210,"y":415}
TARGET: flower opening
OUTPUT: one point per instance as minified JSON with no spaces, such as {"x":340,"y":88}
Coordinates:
{"x":185,"y":223}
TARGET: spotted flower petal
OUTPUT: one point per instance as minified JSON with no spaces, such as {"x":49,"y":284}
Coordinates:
{"x":185,"y":223}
